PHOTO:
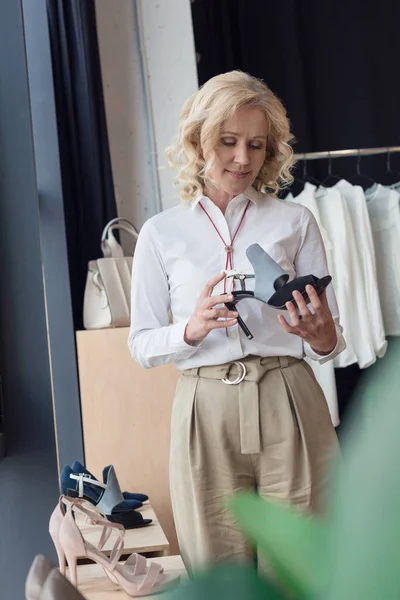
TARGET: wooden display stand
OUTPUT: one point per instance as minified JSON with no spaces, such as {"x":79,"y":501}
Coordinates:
{"x":126,"y":413}
{"x":95,"y":585}
{"x":149,"y":540}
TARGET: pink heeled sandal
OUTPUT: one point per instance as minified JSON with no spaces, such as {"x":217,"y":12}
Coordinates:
{"x":56,"y":519}
{"x":135,"y":577}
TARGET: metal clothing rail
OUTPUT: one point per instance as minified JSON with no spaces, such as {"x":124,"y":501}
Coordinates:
{"x":344,"y":153}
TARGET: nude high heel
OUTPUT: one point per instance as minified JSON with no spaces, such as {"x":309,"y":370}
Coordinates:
{"x":45,"y":582}
{"x":38,"y":573}
{"x":57,"y":587}
{"x":56,"y":519}
{"x":135,"y":577}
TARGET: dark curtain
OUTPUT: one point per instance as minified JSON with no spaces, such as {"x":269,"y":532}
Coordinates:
{"x":88,"y":189}
{"x":333,"y":64}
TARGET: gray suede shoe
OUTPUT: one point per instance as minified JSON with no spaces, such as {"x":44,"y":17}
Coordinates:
{"x":45,"y":582}
{"x":38,"y":573}
{"x":57,"y":587}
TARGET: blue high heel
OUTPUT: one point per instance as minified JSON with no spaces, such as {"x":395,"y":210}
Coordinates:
{"x":106,"y":497}
{"x":78,"y":467}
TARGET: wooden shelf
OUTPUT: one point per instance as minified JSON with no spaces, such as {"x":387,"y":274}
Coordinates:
{"x":144,"y":540}
{"x":95,"y":585}
{"x":126,"y":415}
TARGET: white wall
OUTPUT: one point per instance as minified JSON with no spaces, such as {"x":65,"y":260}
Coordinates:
{"x":149,"y":69}
{"x":171,"y":59}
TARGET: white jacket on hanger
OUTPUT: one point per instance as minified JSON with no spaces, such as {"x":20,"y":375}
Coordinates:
{"x":325,"y":373}
{"x":356,"y":203}
{"x":384,"y":214}
{"x":347,"y":279}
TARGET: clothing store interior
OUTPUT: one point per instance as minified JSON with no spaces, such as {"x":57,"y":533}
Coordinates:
{"x":199,"y":299}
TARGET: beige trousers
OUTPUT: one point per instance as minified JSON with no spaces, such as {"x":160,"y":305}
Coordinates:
{"x":271,"y":432}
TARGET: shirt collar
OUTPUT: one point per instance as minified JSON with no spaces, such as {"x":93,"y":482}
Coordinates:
{"x":251,"y":194}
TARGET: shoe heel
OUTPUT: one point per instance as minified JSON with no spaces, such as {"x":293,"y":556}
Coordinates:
{"x":72,"y":569}
{"x":39,"y":572}
{"x":61,"y":561}
{"x":54,"y":530}
{"x":60,"y":555}
{"x":72,"y":543}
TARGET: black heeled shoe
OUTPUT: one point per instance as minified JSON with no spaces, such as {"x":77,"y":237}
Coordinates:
{"x":272,"y":285}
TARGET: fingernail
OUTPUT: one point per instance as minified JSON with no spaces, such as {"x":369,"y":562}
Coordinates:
{"x":230,"y":297}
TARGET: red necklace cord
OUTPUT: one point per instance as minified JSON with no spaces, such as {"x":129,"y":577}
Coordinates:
{"x":228,"y":247}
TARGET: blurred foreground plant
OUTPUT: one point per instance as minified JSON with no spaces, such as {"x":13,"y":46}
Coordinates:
{"x":355,"y":553}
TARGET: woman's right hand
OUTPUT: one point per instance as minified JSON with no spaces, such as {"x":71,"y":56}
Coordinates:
{"x":206,"y":314}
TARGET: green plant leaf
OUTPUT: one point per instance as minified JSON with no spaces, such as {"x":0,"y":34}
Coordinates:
{"x":293,"y":544}
{"x":365,"y":545}
{"x":227,"y":582}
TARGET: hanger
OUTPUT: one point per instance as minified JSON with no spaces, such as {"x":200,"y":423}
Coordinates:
{"x":390,"y":172}
{"x":331,"y":177}
{"x":306,"y":177}
{"x":362,"y":176}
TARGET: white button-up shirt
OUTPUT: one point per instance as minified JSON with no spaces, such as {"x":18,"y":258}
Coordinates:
{"x":178,"y":251}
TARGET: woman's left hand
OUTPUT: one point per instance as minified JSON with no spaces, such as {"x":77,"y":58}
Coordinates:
{"x":318,"y":328}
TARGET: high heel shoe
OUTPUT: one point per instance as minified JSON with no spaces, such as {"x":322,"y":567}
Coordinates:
{"x":134,"y":576}
{"x":45,"y":582}
{"x":57,"y":587}
{"x":56,"y":518}
{"x":106,"y":497}
{"x":38,"y":573}
{"x":272,"y":285}
{"x":78,"y":467}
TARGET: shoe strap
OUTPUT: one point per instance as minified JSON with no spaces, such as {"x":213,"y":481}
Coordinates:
{"x":61,"y":504}
{"x":152,"y":577}
{"x":83,"y":478}
{"x":117,"y":551}
{"x":152,"y":572}
{"x":138,"y":562}
{"x":105,"y":536}
{"x":92,"y":518}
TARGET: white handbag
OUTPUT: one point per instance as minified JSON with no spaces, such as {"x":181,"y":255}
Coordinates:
{"x":108,"y":284}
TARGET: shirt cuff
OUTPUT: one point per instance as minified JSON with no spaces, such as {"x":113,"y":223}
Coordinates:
{"x":178,"y":344}
{"x":322,"y":359}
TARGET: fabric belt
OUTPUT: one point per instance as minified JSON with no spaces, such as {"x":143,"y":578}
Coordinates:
{"x":255,"y":369}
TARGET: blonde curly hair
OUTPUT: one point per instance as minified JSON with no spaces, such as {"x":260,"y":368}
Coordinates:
{"x":201,"y":122}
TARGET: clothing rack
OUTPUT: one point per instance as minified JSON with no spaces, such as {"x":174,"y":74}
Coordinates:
{"x":343,"y":153}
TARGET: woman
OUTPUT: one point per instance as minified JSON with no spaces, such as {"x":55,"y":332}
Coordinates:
{"x":271,"y":430}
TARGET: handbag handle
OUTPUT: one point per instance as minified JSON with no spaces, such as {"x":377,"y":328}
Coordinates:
{"x":119,"y":223}
{"x":109,"y":244}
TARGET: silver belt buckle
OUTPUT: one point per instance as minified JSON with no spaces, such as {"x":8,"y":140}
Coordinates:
{"x":240,"y":377}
